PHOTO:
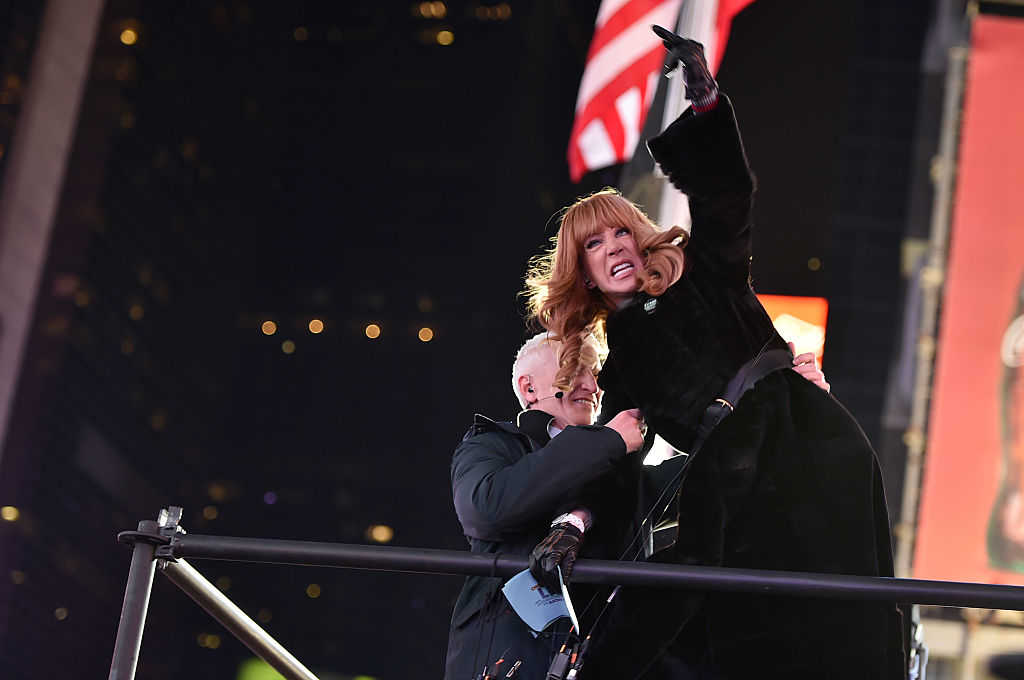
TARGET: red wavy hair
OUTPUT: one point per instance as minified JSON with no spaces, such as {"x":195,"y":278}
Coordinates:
{"x":557,"y":297}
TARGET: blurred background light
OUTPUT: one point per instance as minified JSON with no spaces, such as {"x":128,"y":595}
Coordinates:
{"x":380,"y":533}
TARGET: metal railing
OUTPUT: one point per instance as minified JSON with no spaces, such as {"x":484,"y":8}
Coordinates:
{"x":163,"y":545}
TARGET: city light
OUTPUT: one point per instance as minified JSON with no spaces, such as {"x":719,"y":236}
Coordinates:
{"x":313,"y":591}
{"x":373,"y":331}
{"x":436,"y":10}
{"x":380,"y":533}
{"x":316,"y":326}
{"x":17,"y":577}
{"x":223,"y":583}
{"x":208,"y":640}
{"x":136,"y":312}
{"x":60,"y":613}
{"x":268,"y":328}
{"x":264,"y":615}
{"x":288,"y":347}
{"x":9,"y":513}
{"x":129,"y":36}
{"x":301,"y":34}
{"x":270,"y":498}
{"x":217,"y":491}
{"x":814,"y":264}
{"x":210,"y":512}
{"x":158,"y":420}
{"x":425,"y":334}
{"x":445,"y":37}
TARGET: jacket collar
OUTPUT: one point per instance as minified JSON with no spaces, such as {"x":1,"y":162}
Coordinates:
{"x":534,"y":424}
{"x":531,"y":424}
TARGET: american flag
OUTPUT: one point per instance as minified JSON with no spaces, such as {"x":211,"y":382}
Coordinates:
{"x":623,"y":65}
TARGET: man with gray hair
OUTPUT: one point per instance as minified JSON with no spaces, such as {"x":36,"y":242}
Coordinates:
{"x":514,"y":485}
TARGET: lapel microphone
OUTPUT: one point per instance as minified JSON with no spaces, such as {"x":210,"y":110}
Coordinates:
{"x":556,"y":395}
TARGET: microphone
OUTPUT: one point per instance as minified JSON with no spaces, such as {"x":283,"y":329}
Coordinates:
{"x":556,"y":395}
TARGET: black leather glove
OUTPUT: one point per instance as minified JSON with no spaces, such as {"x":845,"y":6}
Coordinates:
{"x":701,"y":88}
{"x":559,"y":549}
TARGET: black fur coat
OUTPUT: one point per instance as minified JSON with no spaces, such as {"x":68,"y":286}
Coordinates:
{"x":788,"y":481}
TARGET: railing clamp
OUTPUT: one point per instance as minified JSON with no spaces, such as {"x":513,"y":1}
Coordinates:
{"x":169,"y":521}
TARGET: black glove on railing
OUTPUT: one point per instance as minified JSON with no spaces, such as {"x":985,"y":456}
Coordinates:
{"x":560,"y":548}
{"x":701,"y":88}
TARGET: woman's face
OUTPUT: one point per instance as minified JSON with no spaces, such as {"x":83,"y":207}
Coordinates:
{"x":611,"y":263}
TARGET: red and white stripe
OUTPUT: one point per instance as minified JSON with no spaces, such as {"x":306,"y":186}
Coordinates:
{"x":623,"y":65}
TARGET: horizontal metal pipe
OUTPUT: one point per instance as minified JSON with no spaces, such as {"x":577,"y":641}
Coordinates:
{"x":235,"y":620}
{"x":429,"y":561}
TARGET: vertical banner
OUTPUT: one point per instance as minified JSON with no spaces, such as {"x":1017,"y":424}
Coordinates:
{"x":971,"y":519}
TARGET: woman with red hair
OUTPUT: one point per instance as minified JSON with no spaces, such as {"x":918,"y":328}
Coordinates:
{"x":783,"y":478}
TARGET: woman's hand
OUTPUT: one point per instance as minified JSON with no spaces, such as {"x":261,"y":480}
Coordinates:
{"x":631,"y":427}
{"x":807,"y":365}
{"x":701,"y":88}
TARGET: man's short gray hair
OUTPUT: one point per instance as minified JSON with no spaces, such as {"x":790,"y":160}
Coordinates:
{"x":524,"y":356}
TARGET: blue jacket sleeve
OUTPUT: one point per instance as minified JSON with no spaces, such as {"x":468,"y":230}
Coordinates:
{"x":498,"y":490}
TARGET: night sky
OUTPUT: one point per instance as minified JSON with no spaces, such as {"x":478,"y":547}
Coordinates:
{"x":245,"y":162}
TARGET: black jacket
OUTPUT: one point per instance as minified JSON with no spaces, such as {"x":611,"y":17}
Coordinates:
{"x":509,"y":481}
{"x":788,"y":481}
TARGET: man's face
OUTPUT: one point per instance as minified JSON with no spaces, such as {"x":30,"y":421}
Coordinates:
{"x":577,"y":406}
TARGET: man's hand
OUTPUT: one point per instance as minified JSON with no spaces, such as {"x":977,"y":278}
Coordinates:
{"x":806,"y":365}
{"x":559,"y":549}
{"x":631,"y":427}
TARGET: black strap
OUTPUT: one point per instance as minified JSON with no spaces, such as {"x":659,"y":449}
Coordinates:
{"x":766,"y":362}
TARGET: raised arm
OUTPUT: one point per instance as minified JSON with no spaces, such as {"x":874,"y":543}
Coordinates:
{"x":702,"y":155}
